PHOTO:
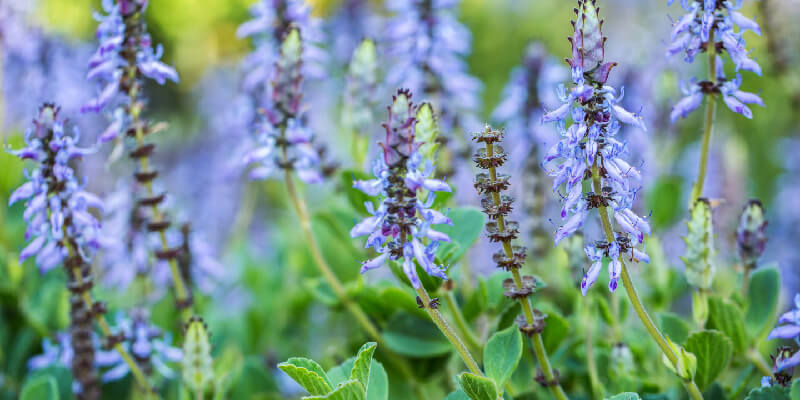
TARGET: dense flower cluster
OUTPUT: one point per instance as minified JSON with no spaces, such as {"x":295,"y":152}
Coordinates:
{"x":283,"y":141}
{"x":589,"y":149}
{"x":57,"y":207}
{"x":401,"y":226}
{"x":428,"y":45}
{"x":709,"y":25}
{"x":125,"y":45}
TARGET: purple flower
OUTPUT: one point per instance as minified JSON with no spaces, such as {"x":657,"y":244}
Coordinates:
{"x":788,"y":328}
{"x":589,"y":146}
{"x":692,"y":35}
{"x":283,"y":141}
{"x":57,"y":208}
{"x":116,"y":55}
{"x":427,"y":46}
{"x":147,"y":343}
{"x":402,"y":225}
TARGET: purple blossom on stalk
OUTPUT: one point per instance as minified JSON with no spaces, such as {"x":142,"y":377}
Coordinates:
{"x":428,"y":46}
{"x":692,"y":34}
{"x":589,"y":146}
{"x":57,"y":208}
{"x":272,"y":21}
{"x":402,"y":225}
{"x":283,"y":141}
{"x":110,"y":64}
{"x":148,"y":344}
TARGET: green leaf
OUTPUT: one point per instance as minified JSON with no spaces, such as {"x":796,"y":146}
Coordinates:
{"x":362,"y":364}
{"x":795,"y":393}
{"x":673,"y":327}
{"x":457,"y":395}
{"x":715,"y":392}
{"x":729,"y":319}
{"x":713,"y":351}
{"x":414,"y":337}
{"x":769,"y":393}
{"x":625,"y":396}
{"x":308,"y":374}
{"x":466,"y":228}
{"x":762,"y":298}
{"x":378,"y":380}
{"x":350,"y":390}
{"x":502,"y":354}
{"x":477,"y":387}
{"x":40,"y":388}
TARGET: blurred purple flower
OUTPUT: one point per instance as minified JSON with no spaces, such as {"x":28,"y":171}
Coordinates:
{"x":56,"y":204}
{"x":788,"y":328}
{"x":427,"y":45}
{"x":148,"y":344}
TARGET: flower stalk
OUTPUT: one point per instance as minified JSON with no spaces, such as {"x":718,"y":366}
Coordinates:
{"x":497,"y":207}
{"x":708,"y":127}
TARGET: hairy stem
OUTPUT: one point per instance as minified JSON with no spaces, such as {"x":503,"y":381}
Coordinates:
{"x":527,"y":309}
{"x":708,"y":127}
{"x":448,"y":331}
{"x":633,"y":295}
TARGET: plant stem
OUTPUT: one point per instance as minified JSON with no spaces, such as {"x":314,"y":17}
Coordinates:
{"x":524,"y":301}
{"x":137,"y":373}
{"x":461,"y":323}
{"x":448,"y":331}
{"x":697,"y":189}
{"x":758,"y":362}
{"x":327,"y":273}
{"x":691,"y":387}
{"x":598,"y":391}
{"x":746,"y":278}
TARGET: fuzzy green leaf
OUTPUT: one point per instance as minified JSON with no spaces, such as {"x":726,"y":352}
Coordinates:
{"x":502,"y":354}
{"x":378,"y":380}
{"x":350,"y":390}
{"x":362,"y":364}
{"x":762,"y":298}
{"x":728,"y":318}
{"x":477,"y":387}
{"x":713,"y":351}
{"x":769,"y":393}
{"x":457,"y":395}
{"x":42,"y":387}
{"x":795,"y":393}
{"x":308,"y":374}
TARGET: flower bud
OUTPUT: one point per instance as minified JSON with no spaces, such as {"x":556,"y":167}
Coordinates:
{"x":750,"y":235}
{"x":687,"y":362}
{"x":699,"y":241}
{"x":197,"y":362}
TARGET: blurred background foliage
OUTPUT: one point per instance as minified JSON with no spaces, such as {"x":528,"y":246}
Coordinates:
{"x":283,"y":309}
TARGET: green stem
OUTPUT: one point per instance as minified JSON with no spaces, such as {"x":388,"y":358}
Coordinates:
{"x":338,"y":289}
{"x":746,"y":279}
{"x":697,"y":189}
{"x":598,"y":391}
{"x":462,"y":325}
{"x":758,"y":362}
{"x":448,"y":331}
{"x":636,"y":302}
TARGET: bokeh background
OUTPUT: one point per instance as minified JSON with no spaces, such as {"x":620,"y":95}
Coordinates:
{"x":250,"y":227}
